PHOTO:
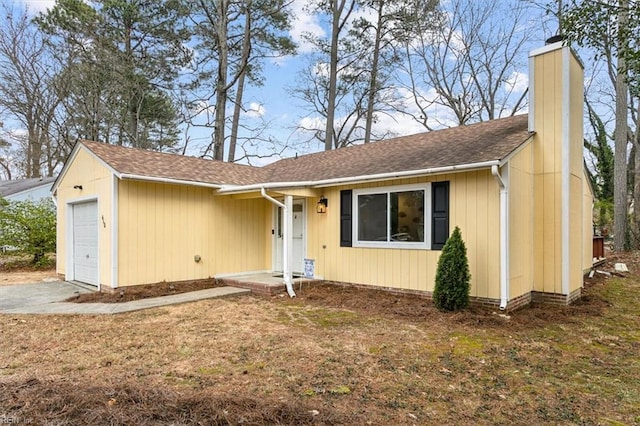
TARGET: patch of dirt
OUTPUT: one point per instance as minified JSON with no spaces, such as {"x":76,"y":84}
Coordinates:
{"x":418,"y":309}
{"x":19,"y":270}
{"x":134,"y":405}
{"x":127,"y":294}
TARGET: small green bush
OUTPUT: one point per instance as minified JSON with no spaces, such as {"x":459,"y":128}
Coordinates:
{"x":452,"y":286}
{"x":30,"y":227}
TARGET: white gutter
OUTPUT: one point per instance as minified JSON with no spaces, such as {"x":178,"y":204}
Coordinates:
{"x":286,"y":236}
{"x":504,"y":237}
{"x":167,"y":180}
{"x":363,"y":178}
{"x":566,"y":173}
{"x":114,"y":232}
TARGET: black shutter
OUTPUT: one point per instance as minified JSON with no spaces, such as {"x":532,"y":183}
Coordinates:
{"x":346,"y":223}
{"x":440,"y":214}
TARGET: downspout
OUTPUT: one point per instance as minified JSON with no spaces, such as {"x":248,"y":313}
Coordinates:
{"x":115,"y":219}
{"x":286,"y":232}
{"x":504,"y":238}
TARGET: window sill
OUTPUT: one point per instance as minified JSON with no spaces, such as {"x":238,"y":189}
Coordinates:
{"x":393,"y":245}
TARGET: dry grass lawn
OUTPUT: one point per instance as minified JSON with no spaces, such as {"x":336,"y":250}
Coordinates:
{"x":15,"y":269}
{"x":331,"y":356}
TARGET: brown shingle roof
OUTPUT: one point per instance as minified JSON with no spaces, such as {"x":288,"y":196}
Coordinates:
{"x":173,"y":166}
{"x":475,"y":143}
{"x":471,"y":144}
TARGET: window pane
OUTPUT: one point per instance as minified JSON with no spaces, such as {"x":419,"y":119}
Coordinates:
{"x":407,"y":216}
{"x":372,"y":217}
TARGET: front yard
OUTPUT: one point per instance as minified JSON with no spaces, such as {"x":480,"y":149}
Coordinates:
{"x":16,"y":269}
{"x":330,"y":356}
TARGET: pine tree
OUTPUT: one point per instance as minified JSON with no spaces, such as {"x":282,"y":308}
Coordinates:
{"x":452,"y":285}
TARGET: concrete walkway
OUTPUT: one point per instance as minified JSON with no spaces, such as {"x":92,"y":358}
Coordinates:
{"x":48,"y":298}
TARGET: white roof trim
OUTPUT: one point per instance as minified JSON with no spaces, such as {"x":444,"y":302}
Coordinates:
{"x":130,"y":176}
{"x":357,"y":179}
{"x":555,"y":46}
{"x":517,"y":150}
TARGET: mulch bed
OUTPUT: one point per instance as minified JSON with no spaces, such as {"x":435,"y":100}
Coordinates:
{"x":127,"y":294}
{"x":383,"y":303}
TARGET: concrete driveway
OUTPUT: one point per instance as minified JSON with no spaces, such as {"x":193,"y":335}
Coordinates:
{"x":48,"y":298}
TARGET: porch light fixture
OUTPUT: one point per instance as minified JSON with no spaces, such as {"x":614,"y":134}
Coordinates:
{"x":77,"y":187}
{"x":321,"y":207}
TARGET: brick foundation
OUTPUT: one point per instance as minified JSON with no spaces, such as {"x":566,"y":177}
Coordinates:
{"x":556,"y":298}
{"x":512,"y":305}
{"x":262,"y":289}
{"x":268,"y":290}
{"x":519,"y":302}
{"x":256,"y":288}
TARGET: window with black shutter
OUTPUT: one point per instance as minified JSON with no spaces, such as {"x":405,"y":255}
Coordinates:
{"x":346,"y":221}
{"x":439,"y":214}
{"x":401,"y":216}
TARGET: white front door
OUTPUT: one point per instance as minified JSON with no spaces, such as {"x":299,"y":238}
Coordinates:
{"x":85,"y":242}
{"x":298,"y":231}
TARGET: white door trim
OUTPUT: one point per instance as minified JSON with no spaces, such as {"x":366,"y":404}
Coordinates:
{"x":276,"y":261}
{"x":69,"y":267}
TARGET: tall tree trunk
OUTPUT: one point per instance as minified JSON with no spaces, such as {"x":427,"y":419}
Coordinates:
{"x":620,"y":135}
{"x":33,"y":151}
{"x":373,"y":82}
{"x":246,"y":51}
{"x":36,"y":155}
{"x":336,"y":9}
{"x":4,"y":164}
{"x":233,"y":138}
{"x":221,"y":84}
{"x":28,"y":152}
{"x":133,"y":94}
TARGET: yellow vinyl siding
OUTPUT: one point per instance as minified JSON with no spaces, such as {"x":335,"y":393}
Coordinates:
{"x":558,"y":164}
{"x":474,"y":207}
{"x":163,"y":227}
{"x":587,"y":224}
{"x":96,"y":182}
{"x":521,"y":223}
{"x":547,"y":169}
{"x":575,"y":233}
{"x":576,"y":174}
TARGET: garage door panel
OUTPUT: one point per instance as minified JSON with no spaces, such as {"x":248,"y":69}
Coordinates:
{"x":85,"y":242}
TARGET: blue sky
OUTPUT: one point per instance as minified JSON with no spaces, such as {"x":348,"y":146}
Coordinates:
{"x":272,"y":103}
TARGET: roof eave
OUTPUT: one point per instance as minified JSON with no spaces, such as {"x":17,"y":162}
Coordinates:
{"x":323,"y":183}
{"x":517,"y":149}
{"x":156,"y":179}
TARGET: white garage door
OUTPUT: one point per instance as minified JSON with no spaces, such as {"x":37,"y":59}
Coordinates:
{"x":85,"y":242}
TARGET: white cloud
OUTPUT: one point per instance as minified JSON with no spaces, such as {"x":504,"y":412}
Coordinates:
{"x":393,"y":123}
{"x":304,"y":22}
{"x":438,"y":115}
{"x":202,"y":107}
{"x":255,"y":110}
{"x":396,"y":124}
{"x":321,"y":69}
{"x":517,"y":82}
{"x":312,"y":123}
{"x":18,"y":132}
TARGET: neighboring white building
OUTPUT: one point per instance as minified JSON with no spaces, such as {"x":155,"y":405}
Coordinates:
{"x":34,"y":189}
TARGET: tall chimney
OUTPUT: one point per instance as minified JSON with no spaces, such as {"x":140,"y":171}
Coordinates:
{"x":556,"y":87}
